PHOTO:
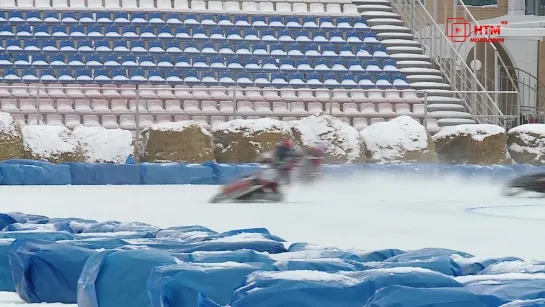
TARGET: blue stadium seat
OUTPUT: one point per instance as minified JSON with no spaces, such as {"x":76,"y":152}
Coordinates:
{"x":68,"y":18}
{"x":51,"y":17}
{"x":16,"y":17}
{"x":31,"y":18}
{"x":139,"y":19}
{"x":47,"y":76}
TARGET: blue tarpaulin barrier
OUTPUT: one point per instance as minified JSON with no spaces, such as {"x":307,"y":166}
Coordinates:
{"x":119,"y":278}
{"x":110,"y":264}
{"x":401,"y":296}
{"x":49,"y":236}
{"x":441,"y":264}
{"x":239,"y":255}
{"x":31,"y":172}
{"x":46,"y":271}
{"x":179,"y":285}
{"x":176,"y":173}
{"x":103,"y":174}
{"x":318,"y":289}
{"x":6,"y":280}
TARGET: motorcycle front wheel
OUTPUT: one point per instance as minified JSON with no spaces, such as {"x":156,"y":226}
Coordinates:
{"x":512,"y":191}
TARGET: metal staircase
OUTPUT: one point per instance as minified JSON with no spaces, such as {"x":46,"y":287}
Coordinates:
{"x":433,"y":63}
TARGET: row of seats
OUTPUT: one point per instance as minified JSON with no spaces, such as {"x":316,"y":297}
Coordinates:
{"x":225,"y":50}
{"x":180,"y":93}
{"x":250,"y":64}
{"x":99,"y":106}
{"x":198,"y":33}
{"x":313,"y":79}
{"x":55,"y":18}
{"x":254,"y":65}
{"x":128,"y":122}
{"x":299,"y":7}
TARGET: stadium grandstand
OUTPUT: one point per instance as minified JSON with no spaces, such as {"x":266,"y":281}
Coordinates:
{"x":131,"y":63}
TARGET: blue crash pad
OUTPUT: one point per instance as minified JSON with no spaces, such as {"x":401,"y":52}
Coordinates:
{"x":318,"y":289}
{"x":118,"y":278}
{"x":441,"y":264}
{"x":508,"y":289}
{"x":322,"y":265}
{"x":240,"y":255}
{"x":401,"y":296}
{"x":46,"y":271}
{"x":6,"y":280}
{"x":179,"y":285}
{"x":49,"y":236}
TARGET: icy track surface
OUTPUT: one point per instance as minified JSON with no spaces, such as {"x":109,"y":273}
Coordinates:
{"x":367,"y":213}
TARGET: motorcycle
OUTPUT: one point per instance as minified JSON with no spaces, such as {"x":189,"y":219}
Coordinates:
{"x":526,"y":183}
{"x":260,"y":187}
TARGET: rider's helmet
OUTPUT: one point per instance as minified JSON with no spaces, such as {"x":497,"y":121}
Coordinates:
{"x":287,"y":144}
{"x":318,"y":149}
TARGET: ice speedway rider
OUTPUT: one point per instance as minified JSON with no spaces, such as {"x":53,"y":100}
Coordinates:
{"x":284,"y":158}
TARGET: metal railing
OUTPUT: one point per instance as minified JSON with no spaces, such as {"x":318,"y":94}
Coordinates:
{"x":327,"y":97}
{"x":482,"y":99}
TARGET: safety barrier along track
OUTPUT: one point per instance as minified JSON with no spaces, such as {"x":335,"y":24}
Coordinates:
{"x":30,"y":172}
{"x":111,"y":264}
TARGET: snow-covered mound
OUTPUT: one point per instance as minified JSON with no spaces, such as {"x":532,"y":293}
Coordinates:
{"x":473,"y":144}
{"x":51,"y":143}
{"x":344,"y":142}
{"x":101,"y":145}
{"x":183,"y":141}
{"x":526,"y":144}
{"x":11,"y":139}
{"x":242,"y":140}
{"x":402,"y":139}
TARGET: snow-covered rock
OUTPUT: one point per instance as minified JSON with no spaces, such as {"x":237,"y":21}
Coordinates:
{"x":101,"y":145}
{"x":400,"y":140}
{"x":526,"y":144}
{"x":183,"y":141}
{"x":243,"y":140}
{"x":343,"y":140}
{"x":51,"y":143}
{"x":11,"y":138}
{"x":473,"y":144}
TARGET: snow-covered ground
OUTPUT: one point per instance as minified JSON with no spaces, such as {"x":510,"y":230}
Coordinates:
{"x":370,"y":213}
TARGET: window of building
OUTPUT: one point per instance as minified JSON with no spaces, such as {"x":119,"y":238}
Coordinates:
{"x":480,"y":2}
{"x":535,"y":7}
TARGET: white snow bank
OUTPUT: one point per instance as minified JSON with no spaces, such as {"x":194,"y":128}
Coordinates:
{"x":47,"y":141}
{"x":527,"y":303}
{"x":101,"y":145}
{"x":37,"y":227}
{"x":12,"y":299}
{"x":515,"y":267}
{"x":527,"y":143}
{"x":250,"y":127}
{"x":107,"y":234}
{"x":538,"y":129}
{"x":215,"y":265}
{"x":397,"y":270}
{"x":303,"y":275}
{"x":7,"y":124}
{"x":478,"y":132}
{"x":177,"y":126}
{"x":243,"y":237}
{"x":390,"y":140}
{"x":498,"y":278}
{"x":343,"y":139}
